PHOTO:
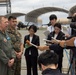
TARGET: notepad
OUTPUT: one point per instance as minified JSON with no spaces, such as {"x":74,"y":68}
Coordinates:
{"x":27,"y":46}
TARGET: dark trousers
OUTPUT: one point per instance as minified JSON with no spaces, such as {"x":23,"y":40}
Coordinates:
{"x":60,"y":63}
{"x":31,"y":63}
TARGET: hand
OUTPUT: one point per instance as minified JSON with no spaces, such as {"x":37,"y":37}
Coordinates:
{"x":67,"y":35}
{"x":19,"y":54}
{"x":28,"y":42}
{"x":55,"y":41}
{"x":10,"y":62}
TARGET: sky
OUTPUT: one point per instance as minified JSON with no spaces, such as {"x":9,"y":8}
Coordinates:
{"x":25,"y":6}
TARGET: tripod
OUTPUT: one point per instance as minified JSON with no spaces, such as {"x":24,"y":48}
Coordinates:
{"x":72,"y":66}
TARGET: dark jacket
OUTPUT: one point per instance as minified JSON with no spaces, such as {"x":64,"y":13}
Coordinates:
{"x":50,"y":71}
{"x":59,"y":37}
{"x":34,"y":50}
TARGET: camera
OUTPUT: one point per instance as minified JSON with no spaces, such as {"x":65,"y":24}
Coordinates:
{"x":73,"y":25}
{"x":74,"y":19}
{"x":73,"y":22}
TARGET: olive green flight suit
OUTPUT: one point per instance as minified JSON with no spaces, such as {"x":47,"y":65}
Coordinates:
{"x":6,"y":52}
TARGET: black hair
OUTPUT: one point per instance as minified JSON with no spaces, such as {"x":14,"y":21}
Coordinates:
{"x":53,"y":16}
{"x":57,"y":25}
{"x":47,"y":58}
{"x":11,"y":17}
{"x":34,"y":27}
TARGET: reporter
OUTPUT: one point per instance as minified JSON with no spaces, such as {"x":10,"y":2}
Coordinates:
{"x":48,"y":63}
{"x":31,"y":52}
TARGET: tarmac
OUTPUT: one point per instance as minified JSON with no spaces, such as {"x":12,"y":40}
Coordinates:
{"x":42,"y":36}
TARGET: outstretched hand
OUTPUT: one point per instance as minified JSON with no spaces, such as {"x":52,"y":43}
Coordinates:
{"x":62,"y":43}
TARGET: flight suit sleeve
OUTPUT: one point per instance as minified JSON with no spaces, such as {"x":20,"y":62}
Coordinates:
{"x":3,"y":57}
{"x":13,"y":54}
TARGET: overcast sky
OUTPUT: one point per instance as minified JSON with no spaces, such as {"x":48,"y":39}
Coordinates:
{"x":25,"y":6}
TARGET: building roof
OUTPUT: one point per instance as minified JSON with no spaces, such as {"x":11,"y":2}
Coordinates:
{"x":17,"y":14}
{"x":38,"y":12}
{"x":73,"y":10}
{"x":1,"y":1}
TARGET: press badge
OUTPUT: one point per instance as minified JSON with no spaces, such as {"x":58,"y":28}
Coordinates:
{"x":8,"y":38}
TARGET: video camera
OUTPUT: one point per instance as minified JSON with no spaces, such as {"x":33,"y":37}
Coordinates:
{"x":73,"y":22}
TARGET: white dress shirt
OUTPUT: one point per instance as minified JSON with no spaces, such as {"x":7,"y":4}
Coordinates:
{"x":55,"y":36}
{"x":30,"y":42}
{"x":50,"y":28}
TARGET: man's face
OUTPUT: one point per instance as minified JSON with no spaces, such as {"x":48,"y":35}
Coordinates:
{"x":53,"y":21}
{"x":13,"y":23}
{"x":4,"y":23}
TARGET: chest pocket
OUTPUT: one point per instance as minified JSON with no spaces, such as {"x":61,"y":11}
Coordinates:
{"x":15,"y":37}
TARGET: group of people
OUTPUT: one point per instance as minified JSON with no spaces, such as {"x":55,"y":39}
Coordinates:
{"x":58,"y":42}
{"x":11,"y":48}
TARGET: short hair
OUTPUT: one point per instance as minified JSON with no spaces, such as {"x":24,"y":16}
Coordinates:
{"x":47,"y":58}
{"x":2,"y":17}
{"x":11,"y":17}
{"x":58,"y":25}
{"x":53,"y":16}
{"x":34,"y":27}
